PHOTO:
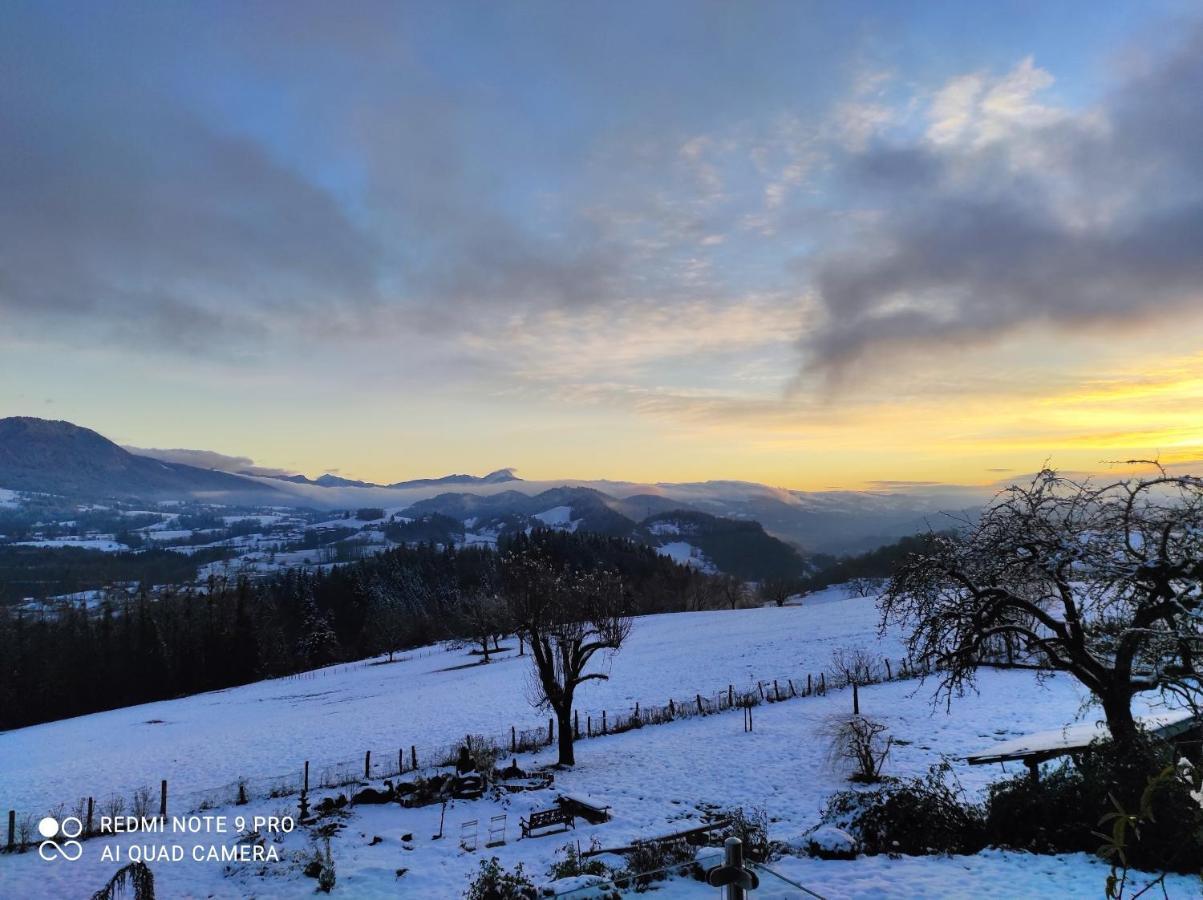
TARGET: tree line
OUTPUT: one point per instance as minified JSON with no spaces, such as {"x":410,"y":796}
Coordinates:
{"x":232,"y":632}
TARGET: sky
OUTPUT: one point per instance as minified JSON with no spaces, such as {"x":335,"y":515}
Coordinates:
{"x":817,"y":245}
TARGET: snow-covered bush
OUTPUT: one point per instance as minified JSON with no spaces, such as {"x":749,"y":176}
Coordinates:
{"x":751,"y":827}
{"x":325,"y":876}
{"x":648,"y":862}
{"x":914,"y":816}
{"x":493,"y":882}
{"x":830,"y":842}
{"x":574,"y":864}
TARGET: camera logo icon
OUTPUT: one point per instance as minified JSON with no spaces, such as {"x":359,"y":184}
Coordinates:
{"x":69,"y":849}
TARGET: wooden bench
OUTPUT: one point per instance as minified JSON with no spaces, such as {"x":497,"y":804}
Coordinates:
{"x":546,"y":818}
{"x":589,"y":808}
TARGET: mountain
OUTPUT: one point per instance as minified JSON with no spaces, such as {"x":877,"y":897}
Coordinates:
{"x":60,"y":458}
{"x":55,"y":457}
{"x":739,"y":548}
{"x":736,"y":547}
{"x":501,"y":476}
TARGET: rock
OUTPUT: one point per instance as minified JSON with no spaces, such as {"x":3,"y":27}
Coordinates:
{"x":829,"y":842}
{"x":371,"y":795}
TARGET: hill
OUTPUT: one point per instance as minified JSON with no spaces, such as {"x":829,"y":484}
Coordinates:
{"x":56,"y":457}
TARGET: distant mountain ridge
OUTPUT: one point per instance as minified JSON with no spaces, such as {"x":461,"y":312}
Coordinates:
{"x":736,"y":547}
{"x":500,"y":476}
{"x":64,"y":459}
{"x":57,"y":457}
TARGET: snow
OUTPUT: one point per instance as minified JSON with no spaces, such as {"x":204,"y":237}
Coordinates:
{"x":108,"y":546}
{"x":9,"y":498}
{"x":656,"y":779}
{"x":685,"y":554}
{"x":830,"y":839}
{"x":1075,"y":736}
{"x":557,"y":517}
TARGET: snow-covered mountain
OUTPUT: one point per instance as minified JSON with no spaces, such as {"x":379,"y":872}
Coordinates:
{"x":61,"y":458}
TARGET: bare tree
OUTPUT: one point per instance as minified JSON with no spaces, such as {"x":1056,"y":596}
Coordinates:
{"x":481,"y":611}
{"x":855,"y":665}
{"x":566,"y":618}
{"x":1103,"y":582}
{"x":733,"y":591}
{"x":860,"y":744}
{"x":777,"y":590}
{"x":386,"y":616}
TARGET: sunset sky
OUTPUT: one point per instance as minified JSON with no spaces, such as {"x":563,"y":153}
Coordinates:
{"x":811,"y":244}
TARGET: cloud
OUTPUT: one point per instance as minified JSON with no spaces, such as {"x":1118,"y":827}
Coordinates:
{"x":1009,"y":211}
{"x":209,"y":459}
{"x":130,"y":217}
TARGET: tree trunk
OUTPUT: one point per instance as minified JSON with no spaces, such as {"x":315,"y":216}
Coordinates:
{"x":566,"y":736}
{"x":1117,"y":707}
{"x":484,"y":646}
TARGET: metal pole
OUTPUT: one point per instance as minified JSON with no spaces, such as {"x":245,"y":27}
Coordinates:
{"x":733,"y":857}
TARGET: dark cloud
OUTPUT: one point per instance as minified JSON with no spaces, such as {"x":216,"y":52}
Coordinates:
{"x":1071,"y":220}
{"x":126,"y":215}
{"x":209,"y":459}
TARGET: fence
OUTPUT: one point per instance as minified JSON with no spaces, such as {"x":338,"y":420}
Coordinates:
{"x":380,"y":763}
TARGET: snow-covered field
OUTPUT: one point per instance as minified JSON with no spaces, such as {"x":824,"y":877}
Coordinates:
{"x":655,"y":778}
{"x":272,"y":727}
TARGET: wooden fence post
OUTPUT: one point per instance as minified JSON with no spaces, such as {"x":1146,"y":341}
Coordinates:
{"x":701,"y":712}
{"x":855,"y":700}
{"x":163,"y":799}
{"x":603,"y":721}
{"x":513,"y":739}
{"x":761,"y":689}
{"x":400,"y":760}
{"x":636,"y":709}
{"x":822,"y":683}
{"x":413,"y":756}
{"x":589,"y":725}
{"x":808,"y":688}
{"x":889,"y":673}
{"x":776,"y":690}
{"x":792,"y":691}
{"x":671,"y":711}
{"x":367,"y":764}
{"x":12,"y":829}
{"x":551,"y":730}
{"x":305,"y":790}
{"x":730,"y":695}
{"x":88,"y":827}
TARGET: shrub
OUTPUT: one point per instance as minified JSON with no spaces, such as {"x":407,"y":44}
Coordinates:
{"x":647,"y":862}
{"x":573,"y":864}
{"x":861,"y":745}
{"x":1061,"y":812}
{"x":325,"y":876}
{"x":493,"y":882}
{"x":914,"y":816}
{"x":752,"y":828}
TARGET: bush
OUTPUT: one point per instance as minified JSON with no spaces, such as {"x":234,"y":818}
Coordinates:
{"x":914,"y":816}
{"x":752,"y":828}
{"x":573,"y":864}
{"x":325,"y":875}
{"x":495,"y":883}
{"x":646,"y":862}
{"x":861,"y":745}
{"x":1061,"y":812}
